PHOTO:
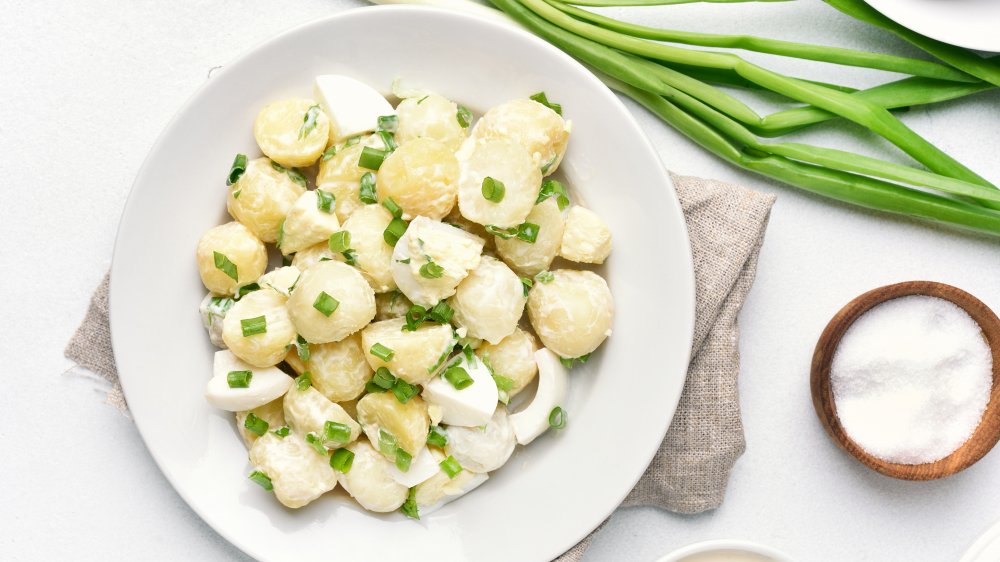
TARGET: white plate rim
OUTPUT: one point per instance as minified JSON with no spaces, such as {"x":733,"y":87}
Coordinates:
{"x":916,"y":17}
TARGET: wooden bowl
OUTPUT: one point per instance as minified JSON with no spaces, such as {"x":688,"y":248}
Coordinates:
{"x":987,"y":432}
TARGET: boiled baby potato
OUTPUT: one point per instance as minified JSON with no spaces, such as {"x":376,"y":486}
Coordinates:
{"x":262,"y":197}
{"x":229,"y":256}
{"x":298,"y":472}
{"x":310,"y":221}
{"x":330,"y":302}
{"x":281,"y":279}
{"x":312,"y":255}
{"x":370,"y":482}
{"x":307,"y":411}
{"x":415,"y":355}
{"x":525,"y":122}
{"x":257,"y":329}
{"x":512,"y":166}
{"x":273,"y":413}
{"x":586,"y":239}
{"x":372,"y":254}
{"x":421,"y":176}
{"x":340,"y":174}
{"x":432,"y":117}
{"x":490,"y":301}
{"x":432,"y":258}
{"x":292,"y":132}
{"x":393,"y":304}
{"x":571,"y":313}
{"x":530,"y":259}
{"x":408,"y":423}
{"x":338,"y":369}
{"x":513,"y":357}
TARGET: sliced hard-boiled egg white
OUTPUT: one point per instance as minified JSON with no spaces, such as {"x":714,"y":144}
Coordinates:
{"x":353,"y":107}
{"x":266,"y":384}
{"x":472,"y":406}
{"x":308,"y":222}
{"x":423,"y":466}
{"x":437,"y":249}
{"x":281,"y":279}
{"x":439,"y":490}
{"x":483,"y":449}
{"x":533,"y":420}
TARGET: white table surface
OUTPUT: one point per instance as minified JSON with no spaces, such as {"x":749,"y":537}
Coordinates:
{"x":85,"y":88}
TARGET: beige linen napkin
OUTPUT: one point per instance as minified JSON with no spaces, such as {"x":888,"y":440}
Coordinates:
{"x":689,"y":473}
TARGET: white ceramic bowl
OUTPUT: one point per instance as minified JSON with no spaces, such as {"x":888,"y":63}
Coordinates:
{"x":726,"y":546}
{"x":550,"y":494}
{"x":974,"y":24}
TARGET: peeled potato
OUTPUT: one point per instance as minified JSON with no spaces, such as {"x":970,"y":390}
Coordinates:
{"x":338,"y":369}
{"x":421,"y":176}
{"x":272,"y":412}
{"x":393,"y":304}
{"x":307,"y":411}
{"x":340,"y":174}
{"x":513,"y":357}
{"x":530,"y":259}
{"x":298,"y":473}
{"x":373,"y":255}
{"x":370,"y":481}
{"x":587,"y":239}
{"x":572,"y":314}
{"x":312,"y":255}
{"x":416,"y":354}
{"x":525,"y":122}
{"x":240,"y":247}
{"x":355,"y":299}
{"x":263,"y":349}
{"x":408,"y":423}
{"x":306,"y":224}
{"x":490,"y":301}
{"x":283,"y":134}
{"x":508,"y":163}
{"x":432,"y":117}
{"x":262,"y":197}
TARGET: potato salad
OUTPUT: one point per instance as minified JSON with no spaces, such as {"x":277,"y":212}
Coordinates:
{"x":400,"y":293}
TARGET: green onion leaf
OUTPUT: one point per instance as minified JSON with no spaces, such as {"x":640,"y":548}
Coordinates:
{"x":450,"y":466}
{"x":528,"y":232}
{"x":410,"y":508}
{"x":470,"y":356}
{"x":544,"y":277}
{"x":341,"y":460}
{"x":352,"y":141}
{"x":329,"y":153}
{"x":441,"y":313}
{"x":325,"y":201}
{"x":553,"y":188}
{"x":437,"y":437}
{"x":253,"y":326}
{"x":337,"y":432}
{"x":431,"y":270}
{"x":286,"y":261}
{"x":388,"y":123}
{"x":262,"y":480}
{"x":340,"y":241}
{"x":316,"y":443}
{"x":219,"y":306}
{"x":325,"y":304}
{"x":557,"y":418}
{"x":350,"y":256}
{"x":256,"y":425}
{"x":372,"y":388}
{"x":371,"y":158}
{"x":239,"y":379}
{"x":383,"y":378}
{"x":293,"y":174}
{"x":403,"y":390}
{"x":389,"y":140}
{"x":395,"y":231}
{"x":387,"y":443}
{"x":367,"y":192}
{"x":493,"y":189}
{"x":393,"y":207}
{"x":302,"y":348}
{"x":403,"y":460}
{"x":504,"y":384}
{"x":464,"y":116}
{"x":568,"y":361}
{"x":541,"y":98}
{"x":309,"y":121}
{"x":548,"y":165}
{"x":414,"y":317}
{"x":223,"y":264}
{"x":421,"y":100}
{"x":246,"y":290}
{"x":236,"y":170}
{"x":303,"y":381}
{"x":458,"y":377}
{"x":503,"y":233}
{"x":526,"y":282}
{"x":382,"y":352}
{"x":282,"y":431}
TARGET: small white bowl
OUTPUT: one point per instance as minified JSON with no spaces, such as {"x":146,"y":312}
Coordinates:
{"x":727,"y":546}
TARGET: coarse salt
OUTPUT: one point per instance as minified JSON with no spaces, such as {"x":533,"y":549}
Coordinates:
{"x":911,"y":379}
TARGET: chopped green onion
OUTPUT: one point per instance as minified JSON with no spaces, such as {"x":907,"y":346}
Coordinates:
{"x":493,"y":189}
{"x":303,"y":381}
{"x":371,"y":158}
{"x":293,"y":174}
{"x":367,"y":192}
{"x":395,"y":231}
{"x":337,"y":432}
{"x":410,"y":508}
{"x":329,"y":153}
{"x":458,"y":377}
{"x":341,"y":460}
{"x":437,"y":437}
{"x":470,"y":356}
{"x":282,"y":431}
{"x":403,"y":390}
{"x":403,"y":460}
{"x":568,"y":361}
{"x":389,"y":140}
{"x":256,"y":425}
{"x":309,"y":121}
{"x":503,"y":233}
{"x":372,"y":388}
{"x":352,"y":141}
{"x":528,"y":232}
{"x":236,"y":193}
{"x":388,"y":123}
{"x":544,"y":277}
{"x":431,"y":270}
{"x":236,"y":170}
{"x":239,"y":379}
{"x":219,"y":306}
{"x":541,"y":98}
{"x":387,"y":443}
{"x":223,"y":264}
{"x":383,"y":378}
{"x":414,"y":317}
{"x":441,"y":359}
{"x":302,"y":348}
{"x":553,"y":188}
{"x":286,"y":261}
{"x":340,"y":241}
{"x":441,"y":313}
{"x":262,"y":480}
{"x":325,"y":304}
{"x":253,"y":326}
{"x":281,"y":234}
{"x":350,"y":256}
{"x":464,"y":116}
{"x":392,"y":207}
{"x":504,"y":384}
{"x":246,"y":290}
{"x":421,"y":100}
{"x":325,"y":201}
{"x":316,"y":443}
{"x":450,"y":466}
{"x":526,"y":282}
{"x":548,"y":165}
{"x":557,"y":418}
{"x":382,"y":352}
